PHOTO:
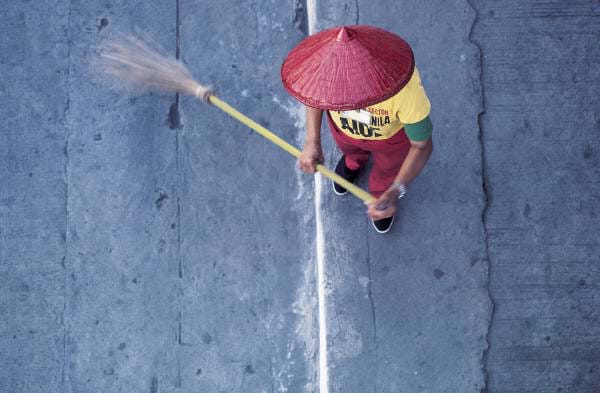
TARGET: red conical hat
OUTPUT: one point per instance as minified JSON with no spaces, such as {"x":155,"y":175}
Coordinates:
{"x":348,"y":67}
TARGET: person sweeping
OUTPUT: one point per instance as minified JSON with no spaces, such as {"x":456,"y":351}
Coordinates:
{"x":365,"y":80}
{"x":371,"y":106}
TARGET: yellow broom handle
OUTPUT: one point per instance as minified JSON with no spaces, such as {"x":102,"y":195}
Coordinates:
{"x":231,"y":111}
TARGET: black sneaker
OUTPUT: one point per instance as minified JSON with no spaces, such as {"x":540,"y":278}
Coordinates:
{"x":348,"y":174}
{"x":383,"y":225}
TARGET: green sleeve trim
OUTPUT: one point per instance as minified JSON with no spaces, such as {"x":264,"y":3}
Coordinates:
{"x":420,"y":131}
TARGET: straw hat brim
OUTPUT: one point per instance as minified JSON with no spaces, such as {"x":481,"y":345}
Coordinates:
{"x":347,"y":68}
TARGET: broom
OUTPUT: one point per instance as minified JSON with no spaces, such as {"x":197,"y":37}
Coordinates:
{"x":132,"y":61}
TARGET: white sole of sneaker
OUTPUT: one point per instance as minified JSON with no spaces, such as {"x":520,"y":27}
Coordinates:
{"x":387,"y":230}
{"x":335,"y":191}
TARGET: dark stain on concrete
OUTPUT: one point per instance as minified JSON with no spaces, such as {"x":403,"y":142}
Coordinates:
{"x":109,"y":372}
{"x":206,"y":338}
{"x":154,"y":384}
{"x":174,"y":119}
{"x":262,"y":120}
{"x":249,"y":369}
{"x":162,"y":196}
{"x":526,"y":210}
{"x":102,"y":24}
{"x":122,"y":346}
{"x":300,"y":16}
{"x":162,"y":244}
{"x":587,"y":152}
{"x":437,"y":273}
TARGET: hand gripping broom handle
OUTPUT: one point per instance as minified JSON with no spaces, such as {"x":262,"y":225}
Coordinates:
{"x":231,"y":111}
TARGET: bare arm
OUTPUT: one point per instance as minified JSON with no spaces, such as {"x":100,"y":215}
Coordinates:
{"x":313,"y":125}
{"x":415,"y":161}
{"x":312,"y":154}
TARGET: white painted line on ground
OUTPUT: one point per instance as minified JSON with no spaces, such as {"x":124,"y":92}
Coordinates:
{"x":320,"y":244}
{"x":311,"y":14}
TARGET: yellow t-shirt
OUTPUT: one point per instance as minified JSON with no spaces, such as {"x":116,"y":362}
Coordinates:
{"x":383,"y":120}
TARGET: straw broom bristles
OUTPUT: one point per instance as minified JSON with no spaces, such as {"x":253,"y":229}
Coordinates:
{"x":135,"y":63}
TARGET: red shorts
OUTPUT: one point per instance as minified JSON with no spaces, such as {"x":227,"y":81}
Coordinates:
{"x":388,"y":156}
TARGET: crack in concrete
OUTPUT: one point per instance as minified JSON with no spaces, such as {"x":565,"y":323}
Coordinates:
{"x":357,"y":9}
{"x":487,"y":198}
{"x":179,"y":317}
{"x":178,"y":212}
{"x":178,"y":384}
{"x":174,"y":117}
{"x":177,"y":148}
{"x":66,"y":180}
{"x":175,"y":124}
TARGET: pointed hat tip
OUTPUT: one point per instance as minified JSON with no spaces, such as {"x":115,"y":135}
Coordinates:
{"x":344,"y":35}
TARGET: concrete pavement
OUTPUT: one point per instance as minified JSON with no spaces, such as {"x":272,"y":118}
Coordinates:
{"x":149,"y":243}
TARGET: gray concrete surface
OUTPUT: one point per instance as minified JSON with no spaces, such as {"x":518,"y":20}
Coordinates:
{"x":409,"y":311}
{"x":121,"y":317}
{"x":541,"y":133}
{"x":246,"y":215}
{"x":35,"y":100}
{"x":152,"y":244}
